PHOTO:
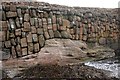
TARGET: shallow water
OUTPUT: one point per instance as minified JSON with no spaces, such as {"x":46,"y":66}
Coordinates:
{"x":112,"y":64}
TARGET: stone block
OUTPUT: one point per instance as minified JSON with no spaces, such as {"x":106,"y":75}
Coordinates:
{"x":26,"y":17}
{"x":54,"y":19}
{"x":49,"y":21}
{"x":65,"y":35}
{"x":57,"y":34}
{"x":36,"y":47}
{"x":84,"y":37}
{"x":19,"y":12}
{"x":17,"y":23}
{"x":34,"y":37}
{"x":18,"y":32}
{"x":24,"y":51}
{"x":2,"y":36}
{"x":30,"y":47}
{"x":23,"y":42}
{"x":41,"y":40}
{"x":29,"y":37}
{"x":13,"y":8}
{"x":46,"y":35}
{"x":39,"y":31}
{"x":18,"y":51}
{"x":66,"y":23}
{"x":33,"y":29}
{"x":4,"y":25}
{"x":7,"y":44}
{"x":102,"y":41}
{"x":12,"y":35}
{"x":50,"y":27}
{"x":36,"y":23}
{"x":44,"y":21}
{"x":18,"y":40}
{"x":51,"y":33}
{"x":32,"y":21}
{"x":62,"y":28}
{"x":26,"y":26}
{"x":54,"y":27}
{"x":40,"y":22}
{"x":13,"y":52}
{"x":13,"y":42}
{"x":11,"y":14}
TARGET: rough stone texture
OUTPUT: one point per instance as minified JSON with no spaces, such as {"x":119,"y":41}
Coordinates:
{"x":11,"y":14}
{"x":41,"y":40}
{"x":23,"y":42}
{"x":35,"y":37}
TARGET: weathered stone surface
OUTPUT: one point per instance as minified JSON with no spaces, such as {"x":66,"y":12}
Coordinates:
{"x":18,"y":23}
{"x":51,"y":33}
{"x":18,"y":32}
{"x":44,"y":21}
{"x":36,"y":47}
{"x":13,"y":52}
{"x":102,"y":41}
{"x":32,"y":21}
{"x":41,"y":40}
{"x":49,"y":21}
{"x":35,"y":37}
{"x":33,"y":29}
{"x":13,"y":8}
{"x":30,"y":47}
{"x":24,"y":51}
{"x":23,"y":42}
{"x":65,"y":34}
{"x":54,"y":27}
{"x":40,"y":22}
{"x":7,"y":44}
{"x":18,"y":51}
{"x":45,"y":28}
{"x":57,"y":34}
{"x":49,"y":27}
{"x":13,"y":42}
{"x":46,"y":35}
{"x":4,"y":25}
{"x":36,"y":23}
{"x":26,"y":26}
{"x":26,"y":17}
{"x":66,"y":23}
{"x":11,"y":14}
{"x":2,"y":36}
{"x":29,"y":37}
{"x":40,"y":31}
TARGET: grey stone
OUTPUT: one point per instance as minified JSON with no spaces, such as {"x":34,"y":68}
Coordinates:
{"x":51,"y":33}
{"x":35,"y":37}
{"x":57,"y":34}
{"x":65,"y":34}
{"x":41,"y":40}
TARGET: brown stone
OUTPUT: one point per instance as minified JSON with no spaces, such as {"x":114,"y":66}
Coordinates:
{"x":4,"y":25}
{"x":23,"y":42}
{"x":34,"y":37}
{"x":24,"y":51}
{"x":18,"y":32}
{"x":36,"y":47}
{"x":57,"y":34}
{"x":44,"y":21}
{"x":54,"y":19}
{"x":18,"y":50}
{"x":45,"y":28}
{"x":54,"y":27}
{"x":18,"y":40}
{"x":30,"y":47}
{"x":84,"y":37}
{"x":51,"y":33}
{"x":41,"y":40}
{"x":39,"y":31}
{"x":66,"y":23}
{"x":29,"y":37}
{"x":40,"y":22}
{"x":2,"y":36}
{"x":32,"y":21}
{"x":7,"y":44}
{"x":27,"y":26}
{"x":33,"y":29}
{"x":13,"y":8}
{"x":13,"y":52}
{"x":49,"y":27}
{"x":62,"y":28}
{"x":11,"y":14}
{"x":46,"y":35}
{"x":26,"y":17}
{"x":13,"y":42}
{"x":12,"y":35}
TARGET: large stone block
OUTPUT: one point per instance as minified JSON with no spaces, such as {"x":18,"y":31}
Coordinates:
{"x":41,"y":40}
{"x":66,"y":23}
{"x":102,"y":41}
{"x":19,"y":12}
{"x":24,"y":51}
{"x":29,"y":37}
{"x":50,"y":27}
{"x":36,"y":23}
{"x":23,"y":42}
{"x":32,"y":21}
{"x":35,"y":37}
{"x":36,"y":47}
{"x":40,"y":22}
{"x":45,"y":28}
{"x":17,"y":23}
{"x":11,"y":14}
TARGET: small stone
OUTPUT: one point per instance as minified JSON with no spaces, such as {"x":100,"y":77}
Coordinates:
{"x":13,"y":52}
{"x":32,"y":21}
{"x":49,"y":21}
{"x":49,"y":27}
{"x":54,"y":27}
{"x":53,"y":19}
{"x":44,"y":21}
{"x":2,"y":36}
{"x":13,"y":42}
{"x":26,"y":26}
{"x":18,"y":51}
{"x":29,"y":37}
{"x":23,"y":42}
{"x":102,"y":41}
{"x":65,"y":34}
{"x":30,"y":47}
{"x":40,"y":23}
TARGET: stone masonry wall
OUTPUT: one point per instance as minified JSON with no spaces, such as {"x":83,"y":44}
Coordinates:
{"x":26,"y":25}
